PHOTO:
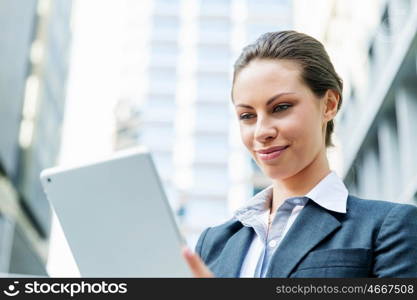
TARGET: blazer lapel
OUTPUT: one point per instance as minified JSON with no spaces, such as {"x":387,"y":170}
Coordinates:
{"x":231,"y":258}
{"x":311,"y":226}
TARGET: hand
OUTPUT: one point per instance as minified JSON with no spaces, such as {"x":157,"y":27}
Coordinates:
{"x":197,"y":266}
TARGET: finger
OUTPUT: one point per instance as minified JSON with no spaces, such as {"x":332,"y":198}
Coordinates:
{"x":197,"y":266}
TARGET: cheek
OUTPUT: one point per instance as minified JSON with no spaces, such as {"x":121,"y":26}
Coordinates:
{"x":246,"y":135}
{"x":302,"y":129}
{"x":293,"y":129}
{"x":305,"y":129}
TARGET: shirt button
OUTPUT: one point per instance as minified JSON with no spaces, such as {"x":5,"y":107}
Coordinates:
{"x":272,"y":243}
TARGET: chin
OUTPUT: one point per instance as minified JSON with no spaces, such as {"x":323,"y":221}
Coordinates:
{"x":278,"y":173}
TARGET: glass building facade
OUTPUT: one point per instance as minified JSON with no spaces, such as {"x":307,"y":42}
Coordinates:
{"x":378,"y":127}
{"x":35,"y":37}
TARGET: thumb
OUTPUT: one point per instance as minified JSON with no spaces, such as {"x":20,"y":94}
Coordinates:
{"x":197,"y":266}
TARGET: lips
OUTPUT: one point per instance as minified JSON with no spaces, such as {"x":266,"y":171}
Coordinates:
{"x":271,"y":153}
{"x":272,"y":149}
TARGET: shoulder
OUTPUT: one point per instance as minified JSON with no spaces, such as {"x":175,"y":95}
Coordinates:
{"x":378,"y":207}
{"x":395,"y":242}
{"x":387,"y":216}
{"x":217,"y":235}
{"x":228,"y":228}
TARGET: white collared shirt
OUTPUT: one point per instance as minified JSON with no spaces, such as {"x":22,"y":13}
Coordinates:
{"x":330,"y":193}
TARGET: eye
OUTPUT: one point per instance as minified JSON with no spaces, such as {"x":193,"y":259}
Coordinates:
{"x":281,"y":107}
{"x":245,"y":116}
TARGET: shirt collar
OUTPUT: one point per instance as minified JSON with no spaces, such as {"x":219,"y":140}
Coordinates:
{"x":330,"y":193}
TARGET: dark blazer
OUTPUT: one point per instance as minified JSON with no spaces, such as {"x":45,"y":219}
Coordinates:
{"x":373,"y":239}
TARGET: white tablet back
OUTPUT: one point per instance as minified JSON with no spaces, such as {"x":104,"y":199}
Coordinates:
{"x":116,"y":218}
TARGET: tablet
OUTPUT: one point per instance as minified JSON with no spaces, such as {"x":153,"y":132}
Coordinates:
{"x":116,"y":218}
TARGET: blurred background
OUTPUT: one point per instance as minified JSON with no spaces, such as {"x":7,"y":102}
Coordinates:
{"x":82,"y":79}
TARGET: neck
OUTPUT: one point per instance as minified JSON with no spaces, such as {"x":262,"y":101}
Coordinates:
{"x":302,"y":182}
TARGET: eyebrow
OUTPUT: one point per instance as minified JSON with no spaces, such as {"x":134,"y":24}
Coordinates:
{"x":273,"y":98}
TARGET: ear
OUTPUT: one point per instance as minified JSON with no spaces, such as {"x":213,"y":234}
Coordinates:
{"x":331,"y":102}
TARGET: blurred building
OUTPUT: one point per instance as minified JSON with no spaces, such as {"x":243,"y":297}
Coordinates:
{"x":34,"y":37}
{"x":176,"y":99}
{"x":378,"y":126}
{"x":373,"y":45}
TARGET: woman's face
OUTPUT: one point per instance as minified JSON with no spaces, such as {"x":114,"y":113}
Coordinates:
{"x":275,"y":109}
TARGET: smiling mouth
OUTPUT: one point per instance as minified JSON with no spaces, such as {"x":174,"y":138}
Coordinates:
{"x":271,"y":155}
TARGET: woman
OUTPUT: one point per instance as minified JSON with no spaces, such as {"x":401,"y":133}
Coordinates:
{"x":286,"y":94}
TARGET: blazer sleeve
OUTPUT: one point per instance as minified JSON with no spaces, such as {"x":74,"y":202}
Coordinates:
{"x":200,"y":242}
{"x":396,"y":244}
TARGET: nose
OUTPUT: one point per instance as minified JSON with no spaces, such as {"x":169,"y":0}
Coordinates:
{"x":265,"y":131}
